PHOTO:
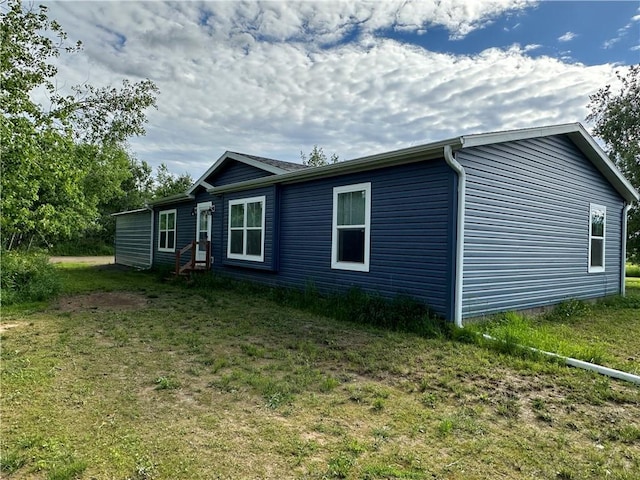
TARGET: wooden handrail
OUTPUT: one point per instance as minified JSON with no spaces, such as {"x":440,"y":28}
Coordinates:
{"x":191,"y":265}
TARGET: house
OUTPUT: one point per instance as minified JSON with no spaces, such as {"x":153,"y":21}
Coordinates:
{"x":472,"y":225}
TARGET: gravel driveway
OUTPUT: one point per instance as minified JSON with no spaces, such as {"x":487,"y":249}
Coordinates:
{"x":102,"y":260}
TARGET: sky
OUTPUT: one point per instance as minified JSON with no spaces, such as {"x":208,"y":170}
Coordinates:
{"x":275,"y":78}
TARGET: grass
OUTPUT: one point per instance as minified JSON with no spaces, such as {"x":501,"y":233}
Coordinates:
{"x":632,"y":270}
{"x":220,"y":384}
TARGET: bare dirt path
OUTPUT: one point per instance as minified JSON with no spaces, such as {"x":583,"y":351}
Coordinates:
{"x":99,"y":260}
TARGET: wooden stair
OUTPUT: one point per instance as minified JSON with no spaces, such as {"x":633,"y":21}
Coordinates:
{"x":192,"y":265}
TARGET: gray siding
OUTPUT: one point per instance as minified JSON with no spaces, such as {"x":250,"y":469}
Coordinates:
{"x":411,"y":235}
{"x":527,"y":226}
{"x":133,"y":239}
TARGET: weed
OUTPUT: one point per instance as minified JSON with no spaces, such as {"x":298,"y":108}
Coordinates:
{"x":27,"y":277}
{"x":446,"y":426}
{"x":509,"y":408}
{"x":166,"y":383}
{"x":429,"y":400}
{"x":378,"y":405}
{"x":12,"y":461}
{"x":328,"y":383}
{"x":70,"y":470}
{"x":340,"y":466}
{"x":569,"y":309}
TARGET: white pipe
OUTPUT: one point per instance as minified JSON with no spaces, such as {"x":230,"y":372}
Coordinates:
{"x":574,"y":362}
{"x":152,"y":237}
{"x":451,"y":161}
{"x":625,"y":211}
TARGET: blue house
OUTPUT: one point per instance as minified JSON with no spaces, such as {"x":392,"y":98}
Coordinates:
{"x":472,"y":225}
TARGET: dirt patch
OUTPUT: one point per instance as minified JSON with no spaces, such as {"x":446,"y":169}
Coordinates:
{"x":103,"y":301}
{"x":6,"y":326}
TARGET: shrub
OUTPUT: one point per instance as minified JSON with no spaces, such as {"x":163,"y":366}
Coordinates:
{"x":27,"y":277}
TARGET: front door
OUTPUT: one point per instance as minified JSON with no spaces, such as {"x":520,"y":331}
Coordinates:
{"x":203,"y":229}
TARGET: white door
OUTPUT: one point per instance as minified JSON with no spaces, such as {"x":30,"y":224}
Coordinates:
{"x":203,"y":229}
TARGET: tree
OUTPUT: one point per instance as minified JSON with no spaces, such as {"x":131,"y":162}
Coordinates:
{"x":167,"y":184}
{"x":616,"y":117}
{"x":58,"y":164}
{"x":317,"y":158}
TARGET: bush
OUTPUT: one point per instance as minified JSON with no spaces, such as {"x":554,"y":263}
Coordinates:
{"x":27,"y":277}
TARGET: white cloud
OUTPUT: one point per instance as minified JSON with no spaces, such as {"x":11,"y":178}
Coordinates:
{"x":567,"y":37}
{"x":272,"y":79}
{"x":622,"y":32}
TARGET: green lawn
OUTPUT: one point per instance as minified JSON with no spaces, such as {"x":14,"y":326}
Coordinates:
{"x":174,"y":384}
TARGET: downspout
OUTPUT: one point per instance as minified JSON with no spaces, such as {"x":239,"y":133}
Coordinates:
{"x":453,"y":163}
{"x":574,"y":362}
{"x":623,"y":248}
{"x":146,"y":205}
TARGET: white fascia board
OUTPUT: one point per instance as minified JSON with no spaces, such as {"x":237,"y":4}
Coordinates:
{"x":255,"y":163}
{"x":480,"y":139}
{"x":603,"y":163}
{"x":239,"y":158}
{"x":580,"y":137}
{"x":127,"y":212}
{"x":429,"y":151}
{"x":180,"y":197}
{"x":211,"y":169}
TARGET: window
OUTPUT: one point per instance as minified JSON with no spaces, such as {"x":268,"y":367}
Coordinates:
{"x":167,"y":231}
{"x":246,"y":229}
{"x":597,"y":229}
{"x":351,"y":227}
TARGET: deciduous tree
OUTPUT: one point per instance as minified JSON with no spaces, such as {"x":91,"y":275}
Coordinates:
{"x":60,"y":163}
{"x":616,"y":117}
{"x":318,"y":158}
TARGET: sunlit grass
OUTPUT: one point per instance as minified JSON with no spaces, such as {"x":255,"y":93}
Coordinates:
{"x":226,"y":385}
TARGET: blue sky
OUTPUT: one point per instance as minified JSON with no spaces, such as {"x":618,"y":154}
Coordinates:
{"x":590,"y":32}
{"x":354,"y":77}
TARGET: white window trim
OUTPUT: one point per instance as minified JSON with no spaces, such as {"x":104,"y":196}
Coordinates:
{"x":354,"y":266}
{"x":592,"y":207}
{"x":244,"y":256}
{"x":175,"y":230}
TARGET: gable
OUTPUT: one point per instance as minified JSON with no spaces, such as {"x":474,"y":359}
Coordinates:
{"x":233,"y":171}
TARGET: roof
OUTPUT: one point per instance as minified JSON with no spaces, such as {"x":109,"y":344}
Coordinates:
{"x":275,"y":167}
{"x":288,"y":166}
{"x":575,"y":131}
{"x":127,"y":212}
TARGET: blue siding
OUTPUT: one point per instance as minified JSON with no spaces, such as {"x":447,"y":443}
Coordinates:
{"x":185,"y":231}
{"x":231,"y":172}
{"x":527,"y":226}
{"x":234,"y":172}
{"x":269,"y":262}
{"x":411,"y":223}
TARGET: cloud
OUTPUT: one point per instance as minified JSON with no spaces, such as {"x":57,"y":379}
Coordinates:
{"x":276,"y":78}
{"x":567,"y":37}
{"x":622,"y":32}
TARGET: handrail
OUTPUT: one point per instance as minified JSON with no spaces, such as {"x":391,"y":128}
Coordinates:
{"x":191,"y":265}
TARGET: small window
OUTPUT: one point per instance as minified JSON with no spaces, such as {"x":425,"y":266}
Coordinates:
{"x":597,"y":231}
{"x":167,"y":231}
{"x":246,"y":229}
{"x":351,"y":227}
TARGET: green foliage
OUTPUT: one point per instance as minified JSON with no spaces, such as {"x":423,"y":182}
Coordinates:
{"x":317,"y":157}
{"x":616,"y":116}
{"x":167,"y":184}
{"x":27,"y":277}
{"x":632,"y":270}
{"x":60,"y":165}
